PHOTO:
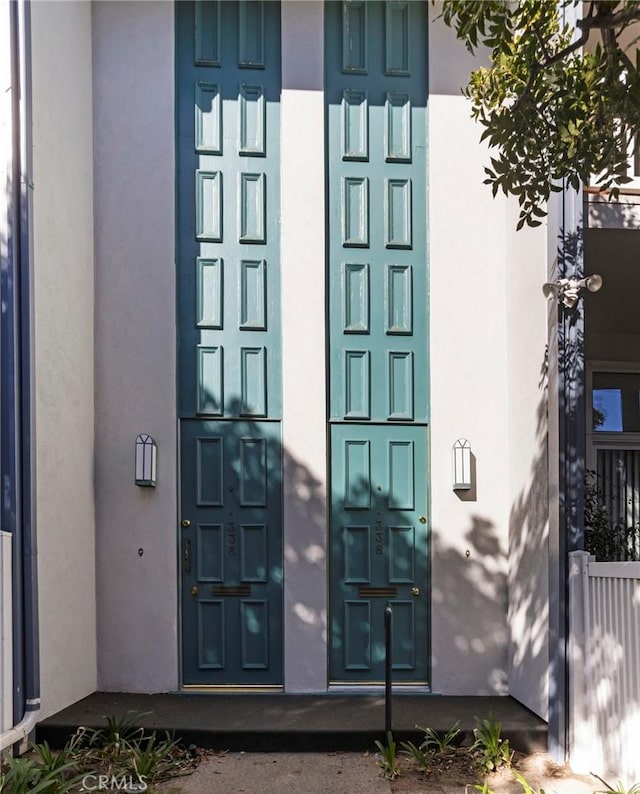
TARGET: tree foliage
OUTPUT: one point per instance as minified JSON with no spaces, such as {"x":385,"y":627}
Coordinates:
{"x":561,"y":99}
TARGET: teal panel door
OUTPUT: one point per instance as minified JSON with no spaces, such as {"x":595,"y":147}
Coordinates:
{"x":228,"y":80}
{"x":376,"y":90}
{"x":378,"y":552}
{"x":232,"y":553}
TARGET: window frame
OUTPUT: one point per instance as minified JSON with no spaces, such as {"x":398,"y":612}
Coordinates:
{"x":606,"y":439}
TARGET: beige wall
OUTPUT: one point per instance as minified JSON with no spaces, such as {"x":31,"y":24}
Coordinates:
{"x":135,"y":343}
{"x":488,"y":336}
{"x":527,"y":482}
{"x":468,"y":400}
{"x":63,"y":340}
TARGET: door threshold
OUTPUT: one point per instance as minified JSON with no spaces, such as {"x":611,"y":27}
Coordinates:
{"x":230,"y":689}
{"x":379,"y":689}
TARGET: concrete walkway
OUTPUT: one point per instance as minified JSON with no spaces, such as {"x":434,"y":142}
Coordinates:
{"x":296,"y":723}
{"x":282,"y":773}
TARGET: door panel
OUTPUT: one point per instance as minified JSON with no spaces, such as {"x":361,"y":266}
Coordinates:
{"x":376,"y":88}
{"x":379,"y":539}
{"x":231,"y":552}
{"x":229,"y":208}
{"x":376,"y":91}
{"x":229,"y":340}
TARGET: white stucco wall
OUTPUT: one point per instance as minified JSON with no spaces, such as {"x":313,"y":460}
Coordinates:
{"x":527,"y":483}
{"x":63,"y":340}
{"x":468,"y":350}
{"x":135,"y":343}
{"x":303,"y":346}
{"x":488,"y":336}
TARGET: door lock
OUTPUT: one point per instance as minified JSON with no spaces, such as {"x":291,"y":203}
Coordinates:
{"x":415,"y":591}
{"x":186,"y":556}
{"x":423,"y":520}
{"x":194,"y":590}
{"x":185,"y":522}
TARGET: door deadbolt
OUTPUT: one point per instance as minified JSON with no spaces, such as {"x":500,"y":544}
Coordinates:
{"x":415,"y":591}
{"x":185,"y":522}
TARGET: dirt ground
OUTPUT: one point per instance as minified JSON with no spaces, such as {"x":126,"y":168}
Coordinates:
{"x":358,"y":773}
{"x":457,"y":772}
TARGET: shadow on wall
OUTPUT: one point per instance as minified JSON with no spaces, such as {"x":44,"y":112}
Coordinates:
{"x":482,"y":584}
{"x":623,"y":214}
{"x":528,"y":575}
{"x":538,"y":548}
{"x":471,"y":601}
{"x":239,"y":468}
{"x":305,"y":558}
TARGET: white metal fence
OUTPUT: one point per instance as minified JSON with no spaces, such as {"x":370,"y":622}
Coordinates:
{"x":604,"y":616}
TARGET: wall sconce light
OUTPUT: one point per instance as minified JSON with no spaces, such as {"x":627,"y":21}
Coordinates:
{"x":567,"y":290}
{"x":462,"y":465}
{"x":145,"y":461}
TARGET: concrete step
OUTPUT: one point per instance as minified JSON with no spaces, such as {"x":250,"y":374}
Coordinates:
{"x":296,"y":723}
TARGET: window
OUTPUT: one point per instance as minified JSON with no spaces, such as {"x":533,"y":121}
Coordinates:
{"x":613,"y":462}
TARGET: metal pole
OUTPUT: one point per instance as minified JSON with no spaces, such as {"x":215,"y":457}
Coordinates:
{"x":388,"y":661}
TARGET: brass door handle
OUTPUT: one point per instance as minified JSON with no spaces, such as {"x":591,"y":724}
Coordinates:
{"x":415,"y":591}
{"x":422,"y":520}
{"x":194,"y":590}
{"x":185,"y":522}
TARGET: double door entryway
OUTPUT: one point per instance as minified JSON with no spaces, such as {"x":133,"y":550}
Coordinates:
{"x":232,"y":538}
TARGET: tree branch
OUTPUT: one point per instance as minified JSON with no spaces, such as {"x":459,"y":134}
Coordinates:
{"x":536,"y":68}
{"x":606,"y":21}
{"x":562,"y":54}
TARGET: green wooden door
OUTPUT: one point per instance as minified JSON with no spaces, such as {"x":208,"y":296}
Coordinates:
{"x":229,"y":342}
{"x":378,"y":551}
{"x":376,"y":89}
{"x":232,"y":552}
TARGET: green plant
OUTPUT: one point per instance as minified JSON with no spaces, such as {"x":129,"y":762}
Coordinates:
{"x":494,"y":750}
{"x":53,"y":761}
{"x":526,"y":788}
{"x":153,"y":760}
{"x":442,"y":742}
{"x":117,"y":750}
{"x":423,"y":759}
{"x":388,"y":761}
{"x":551,"y":108}
{"x":483,"y":788}
{"x":619,"y":787}
{"x":119,"y":732}
{"x":607,"y":540}
{"x":27,"y":776}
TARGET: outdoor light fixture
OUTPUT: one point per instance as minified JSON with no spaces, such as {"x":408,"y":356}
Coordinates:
{"x":567,"y":290}
{"x":462,"y":465}
{"x":145,"y":461}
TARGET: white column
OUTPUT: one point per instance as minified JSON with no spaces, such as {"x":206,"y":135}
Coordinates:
{"x":303,"y":345}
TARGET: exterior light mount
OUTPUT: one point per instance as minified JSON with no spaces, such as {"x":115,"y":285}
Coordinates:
{"x":146,"y":454}
{"x":462,"y":465}
{"x":567,"y":290}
